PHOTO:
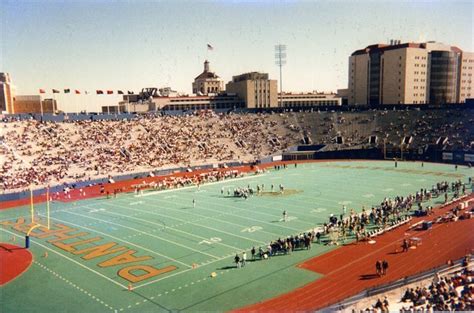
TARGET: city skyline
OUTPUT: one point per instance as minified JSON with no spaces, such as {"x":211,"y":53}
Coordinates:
{"x":106,"y":45}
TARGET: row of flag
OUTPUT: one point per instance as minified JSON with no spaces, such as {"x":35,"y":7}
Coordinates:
{"x":102,"y":92}
{"x":98,"y":92}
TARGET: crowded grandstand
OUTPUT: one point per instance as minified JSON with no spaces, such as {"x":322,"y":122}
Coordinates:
{"x":42,"y":153}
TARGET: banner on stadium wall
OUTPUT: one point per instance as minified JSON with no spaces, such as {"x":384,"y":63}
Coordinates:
{"x":458,"y":156}
{"x":277,"y":158}
{"x":447,"y":156}
{"x":469,"y":157}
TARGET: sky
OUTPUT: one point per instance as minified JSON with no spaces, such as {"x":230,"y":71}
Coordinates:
{"x":128,"y":45}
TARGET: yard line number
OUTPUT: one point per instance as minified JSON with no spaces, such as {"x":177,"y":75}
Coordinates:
{"x":211,"y":241}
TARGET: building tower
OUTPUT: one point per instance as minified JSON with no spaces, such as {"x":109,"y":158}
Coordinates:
{"x":207,"y":82}
{"x":6,"y":93}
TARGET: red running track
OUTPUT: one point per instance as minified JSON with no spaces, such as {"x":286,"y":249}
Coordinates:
{"x":351,"y":269}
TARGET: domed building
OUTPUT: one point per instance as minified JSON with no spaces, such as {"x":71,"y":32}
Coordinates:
{"x":207,"y":82}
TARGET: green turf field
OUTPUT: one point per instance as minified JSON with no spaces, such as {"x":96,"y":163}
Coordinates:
{"x":161,"y":231}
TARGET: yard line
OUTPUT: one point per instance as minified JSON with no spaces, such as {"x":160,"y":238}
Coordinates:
{"x":168,"y":227}
{"x":67,"y":258}
{"x":132,"y":244}
{"x":263,"y":213}
{"x":194,"y":186}
{"x":199,"y":225}
{"x":122,"y":240}
{"x":52,"y":211}
{"x":206,"y":217}
{"x":144,"y":233}
{"x":247,"y":218}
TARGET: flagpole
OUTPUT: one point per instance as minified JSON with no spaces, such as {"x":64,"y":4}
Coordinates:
{"x":77,"y":103}
{"x":54,"y":101}
{"x":41,"y":106}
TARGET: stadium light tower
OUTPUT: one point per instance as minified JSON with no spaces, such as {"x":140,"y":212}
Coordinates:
{"x":280,"y":60}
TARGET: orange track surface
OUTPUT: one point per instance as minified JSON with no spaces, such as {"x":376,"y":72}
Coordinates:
{"x":14,"y":261}
{"x":351,"y":269}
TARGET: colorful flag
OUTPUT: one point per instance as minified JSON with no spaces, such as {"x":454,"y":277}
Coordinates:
{"x":110,"y":92}
{"x":67,"y":90}
{"x":77,"y":92}
{"x":99,"y":92}
{"x":55,"y":91}
{"x":120,"y":92}
{"x":209,"y":47}
{"x":42,"y":91}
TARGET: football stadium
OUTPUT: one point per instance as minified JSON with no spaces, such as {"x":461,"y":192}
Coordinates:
{"x":294,"y":230}
{"x":120,"y":191}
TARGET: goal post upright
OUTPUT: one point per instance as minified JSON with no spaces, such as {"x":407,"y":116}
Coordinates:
{"x":47,"y":207}
{"x":31,"y":206}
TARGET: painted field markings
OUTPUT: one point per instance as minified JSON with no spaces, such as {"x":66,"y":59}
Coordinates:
{"x":96,"y":210}
{"x":251,"y":229}
{"x":208,"y":227}
{"x":388,"y":189}
{"x":122,"y":240}
{"x":369,"y":195}
{"x":44,"y":267}
{"x":67,"y":258}
{"x":144,"y":233}
{"x":204,"y":217}
{"x":346,"y":202}
{"x":318,"y":210}
{"x":169,"y":227}
{"x":406,"y":184}
{"x":249,"y":218}
{"x":136,"y":202}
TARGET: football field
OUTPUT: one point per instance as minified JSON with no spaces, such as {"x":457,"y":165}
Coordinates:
{"x":156,"y":251}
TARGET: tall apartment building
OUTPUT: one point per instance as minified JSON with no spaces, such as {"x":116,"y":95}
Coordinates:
{"x":6,"y":93}
{"x":410,"y":73}
{"x":466,"y":77}
{"x":256,"y":89}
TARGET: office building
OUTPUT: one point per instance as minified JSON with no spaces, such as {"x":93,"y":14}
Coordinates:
{"x":410,"y":73}
{"x":309,"y":100}
{"x":209,"y":102}
{"x":255,"y":89}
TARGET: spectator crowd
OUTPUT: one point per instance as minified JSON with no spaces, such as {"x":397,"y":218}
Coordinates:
{"x":48,"y":153}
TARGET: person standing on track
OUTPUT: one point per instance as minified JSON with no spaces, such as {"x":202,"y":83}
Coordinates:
{"x":378,"y":268}
{"x":285,"y":216}
{"x":194,"y":203}
{"x":384,"y":267}
{"x":405,"y":245}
